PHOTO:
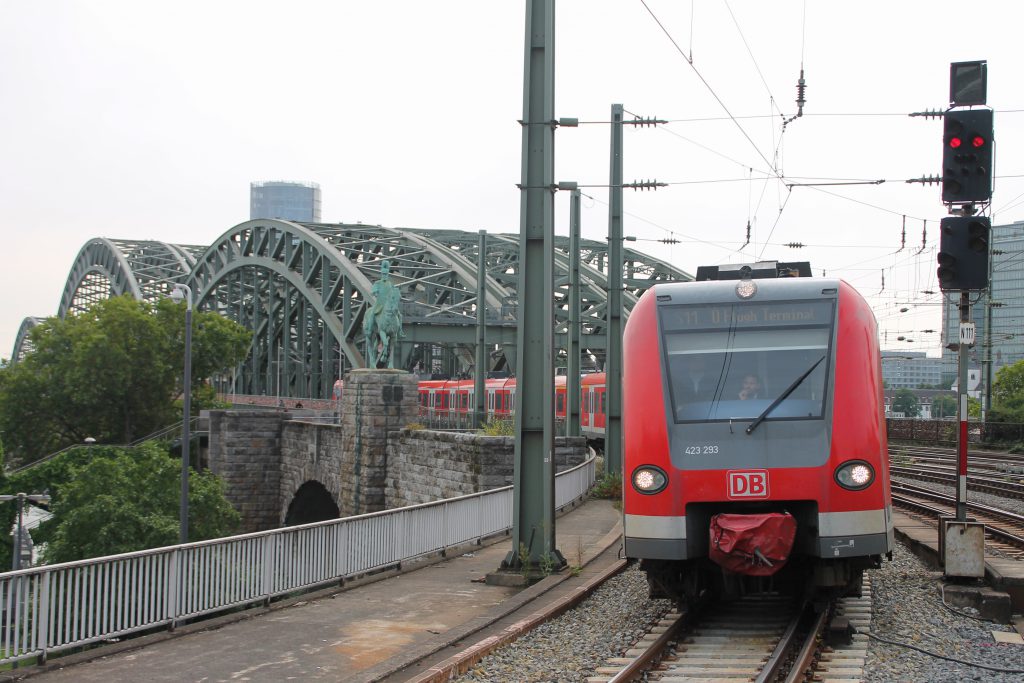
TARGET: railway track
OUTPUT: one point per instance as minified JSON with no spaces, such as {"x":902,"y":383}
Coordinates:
{"x":999,"y":461}
{"x":1003,"y":528}
{"x":757,"y":638}
{"x":946,"y":475}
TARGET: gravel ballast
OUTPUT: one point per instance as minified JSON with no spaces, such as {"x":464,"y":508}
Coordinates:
{"x":907,"y":609}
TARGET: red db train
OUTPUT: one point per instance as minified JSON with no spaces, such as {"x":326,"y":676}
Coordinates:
{"x":754,"y":433}
{"x":452,"y":401}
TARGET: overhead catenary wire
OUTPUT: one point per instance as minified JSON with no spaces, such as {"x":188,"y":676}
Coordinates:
{"x":707,"y":85}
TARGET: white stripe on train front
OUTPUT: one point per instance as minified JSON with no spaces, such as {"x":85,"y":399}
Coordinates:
{"x":852,"y":523}
{"x":654,"y":526}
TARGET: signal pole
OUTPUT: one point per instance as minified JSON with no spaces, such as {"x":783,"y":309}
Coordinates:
{"x":961,"y":442}
{"x":967,"y":153}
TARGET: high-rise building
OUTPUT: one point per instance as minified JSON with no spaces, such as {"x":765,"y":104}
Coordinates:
{"x":911,"y":370}
{"x":1003,"y":305}
{"x":290,"y":201}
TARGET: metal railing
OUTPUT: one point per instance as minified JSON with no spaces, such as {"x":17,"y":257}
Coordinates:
{"x":57,"y":607}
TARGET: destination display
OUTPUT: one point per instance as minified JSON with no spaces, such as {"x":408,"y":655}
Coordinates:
{"x":775,"y":314}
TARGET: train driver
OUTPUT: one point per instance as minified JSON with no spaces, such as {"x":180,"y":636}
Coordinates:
{"x":751,"y":387}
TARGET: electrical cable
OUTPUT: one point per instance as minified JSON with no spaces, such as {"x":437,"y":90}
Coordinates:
{"x":938,"y":656}
{"x":751,"y":53}
{"x":774,"y":225}
{"x":858,"y":201}
{"x":708,"y":86}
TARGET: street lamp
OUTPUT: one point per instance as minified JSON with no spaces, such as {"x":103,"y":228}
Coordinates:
{"x":183,"y":292}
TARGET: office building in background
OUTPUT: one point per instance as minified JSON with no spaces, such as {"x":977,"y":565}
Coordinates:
{"x":290,"y":201}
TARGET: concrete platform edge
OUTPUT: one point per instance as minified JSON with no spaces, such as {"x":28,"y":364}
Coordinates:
{"x":460,"y":663}
{"x":923,"y":542}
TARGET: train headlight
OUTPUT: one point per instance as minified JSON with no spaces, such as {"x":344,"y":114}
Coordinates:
{"x":649,"y":479}
{"x":855,"y":475}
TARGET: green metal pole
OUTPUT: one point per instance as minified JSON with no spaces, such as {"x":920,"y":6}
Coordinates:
{"x":572,"y":365}
{"x":480,"y":373}
{"x":613,"y":354}
{"x":533,"y":530}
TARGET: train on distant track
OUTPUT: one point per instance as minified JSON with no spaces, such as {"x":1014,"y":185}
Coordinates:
{"x":455,"y":400}
{"x":452,"y":402}
{"x":754,"y":443}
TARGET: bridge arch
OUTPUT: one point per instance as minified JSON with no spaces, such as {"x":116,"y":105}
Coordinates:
{"x":311,"y":503}
{"x":302,"y":289}
{"x":112,"y":267}
{"x":22,"y":343}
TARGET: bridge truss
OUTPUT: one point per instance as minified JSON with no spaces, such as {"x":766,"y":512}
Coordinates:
{"x":303,"y":288}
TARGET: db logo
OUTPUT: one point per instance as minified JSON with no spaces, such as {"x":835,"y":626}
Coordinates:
{"x":750,"y":484}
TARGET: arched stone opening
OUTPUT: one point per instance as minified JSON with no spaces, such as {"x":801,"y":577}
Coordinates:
{"x":311,"y":503}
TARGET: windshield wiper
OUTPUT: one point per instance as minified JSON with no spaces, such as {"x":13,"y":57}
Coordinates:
{"x":783,"y":395}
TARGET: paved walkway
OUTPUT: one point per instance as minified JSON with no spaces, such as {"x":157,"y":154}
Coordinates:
{"x":344,"y":636}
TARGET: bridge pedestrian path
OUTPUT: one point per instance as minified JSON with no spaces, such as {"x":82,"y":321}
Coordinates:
{"x":362,"y":633}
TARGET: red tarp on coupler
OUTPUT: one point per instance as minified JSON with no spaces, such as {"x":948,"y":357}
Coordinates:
{"x":755,"y":545}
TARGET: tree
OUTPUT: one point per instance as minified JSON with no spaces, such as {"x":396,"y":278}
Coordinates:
{"x":905,"y":401}
{"x":111,"y":373}
{"x":944,"y":405}
{"x":107,"y":500}
{"x":1008,"y":388}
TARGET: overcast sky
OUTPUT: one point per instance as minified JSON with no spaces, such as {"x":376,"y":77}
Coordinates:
{"x":148,"y":120}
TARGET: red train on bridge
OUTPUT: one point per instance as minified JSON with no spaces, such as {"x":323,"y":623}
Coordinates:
{"x":454,"y":400}
{"x":754,"y":434}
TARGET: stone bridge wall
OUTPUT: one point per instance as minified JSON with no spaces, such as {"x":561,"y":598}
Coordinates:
{"x":424,"y":466}
{"x":369,"y":462}
{"x":245,"y":451}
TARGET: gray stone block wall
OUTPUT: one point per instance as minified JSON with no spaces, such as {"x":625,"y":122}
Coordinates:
{"x":310,"y":452}
{"x":425,"y":465}
{"x":245,"y":451}
{"x":369,"y":462}
{"x":374,"y":403}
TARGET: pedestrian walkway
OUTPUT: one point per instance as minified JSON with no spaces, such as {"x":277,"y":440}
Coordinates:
{"x":344,"y":635}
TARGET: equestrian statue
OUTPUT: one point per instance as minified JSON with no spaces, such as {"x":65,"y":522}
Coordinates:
{"x":382,"y":324}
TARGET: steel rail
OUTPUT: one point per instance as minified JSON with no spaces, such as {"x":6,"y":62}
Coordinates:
{"x":994,"y":531}
{"x":805,"y":658}
{"x":636,"y":669}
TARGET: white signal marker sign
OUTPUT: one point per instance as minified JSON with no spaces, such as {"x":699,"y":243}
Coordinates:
{"x":967,"y":333}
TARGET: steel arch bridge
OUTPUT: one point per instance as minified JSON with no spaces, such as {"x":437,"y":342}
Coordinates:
{"x":302,"y":289}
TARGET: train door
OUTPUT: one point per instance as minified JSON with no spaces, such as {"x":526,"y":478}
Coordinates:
{"x":587,"y":411}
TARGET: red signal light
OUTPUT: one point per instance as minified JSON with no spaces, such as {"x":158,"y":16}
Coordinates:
{"x":955,"y":142}
{"x":978,"y":141}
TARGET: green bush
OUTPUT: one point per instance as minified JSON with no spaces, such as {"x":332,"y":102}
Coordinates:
{"x":608,"y":486}
{"x":498,"y":428}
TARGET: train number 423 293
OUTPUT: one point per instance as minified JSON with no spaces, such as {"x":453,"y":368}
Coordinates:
{"x":701,"y":450}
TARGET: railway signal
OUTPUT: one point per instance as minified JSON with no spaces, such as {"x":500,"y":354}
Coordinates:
{"x":963,"y":253}
{"x":967,"y":156}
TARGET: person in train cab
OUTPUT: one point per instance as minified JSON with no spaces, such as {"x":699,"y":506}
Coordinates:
{"x":751,"y":387}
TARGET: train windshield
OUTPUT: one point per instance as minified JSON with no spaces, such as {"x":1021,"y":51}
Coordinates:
{"x":732,"y":361}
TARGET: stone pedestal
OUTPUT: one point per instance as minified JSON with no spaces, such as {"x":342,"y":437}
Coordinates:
{"x":373,"y":403}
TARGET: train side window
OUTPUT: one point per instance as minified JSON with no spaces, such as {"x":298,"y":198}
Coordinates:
{"x":559,"y":403}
